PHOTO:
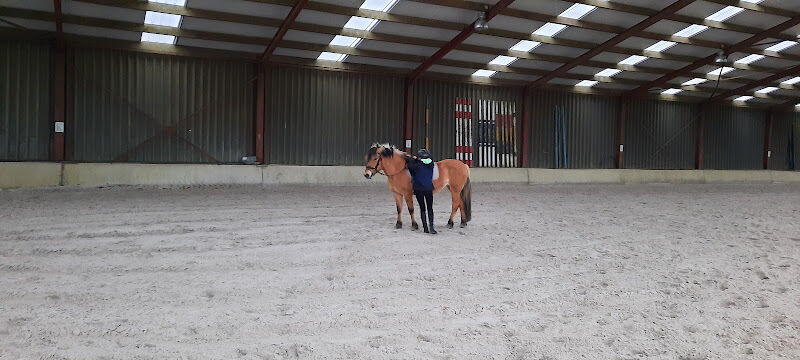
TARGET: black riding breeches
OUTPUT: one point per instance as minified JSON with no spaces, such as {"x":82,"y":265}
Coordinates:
{"x":425,"y":200}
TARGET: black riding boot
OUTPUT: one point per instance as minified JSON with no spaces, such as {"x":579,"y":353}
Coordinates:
{"x":424,"y":223}
{"x":430,"y":219}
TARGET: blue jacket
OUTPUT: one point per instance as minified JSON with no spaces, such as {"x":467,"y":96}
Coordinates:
{"x":421,"y":175}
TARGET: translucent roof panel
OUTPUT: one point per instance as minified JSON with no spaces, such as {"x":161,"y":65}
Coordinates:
{"x":170,"y":2}
{"x":577,"y":11}
{"x":379,"y":5}
{"x":503,"y":60}
{"x":158,"y":38}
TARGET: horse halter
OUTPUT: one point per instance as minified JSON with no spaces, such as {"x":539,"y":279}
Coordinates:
{"x":378,"y":164}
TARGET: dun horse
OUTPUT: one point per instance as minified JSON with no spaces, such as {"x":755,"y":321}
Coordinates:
{"x":450,"y":173}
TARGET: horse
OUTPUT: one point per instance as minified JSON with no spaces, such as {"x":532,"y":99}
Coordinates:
{"x":453,"y":174}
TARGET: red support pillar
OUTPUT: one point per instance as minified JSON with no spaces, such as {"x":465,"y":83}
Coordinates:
{"x":69,"y":104}
{"x":623,"y":108}
{"x":59,"y":87}
{"x":698,"y":149}
{"x":408,"y":118}
{"x":526,"y":121}
{"x":767,"y":137}
{"x":260,"y":112}
{"x":59,"y":101}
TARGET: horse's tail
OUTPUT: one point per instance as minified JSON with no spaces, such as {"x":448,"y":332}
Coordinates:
{"x":466,"y":200}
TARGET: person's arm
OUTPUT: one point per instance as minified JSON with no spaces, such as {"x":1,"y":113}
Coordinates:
{"x":412,"y":164}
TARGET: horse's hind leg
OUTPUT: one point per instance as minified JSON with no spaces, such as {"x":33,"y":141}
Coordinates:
{"x":456,"y":205}
{"x":410,"y":203}
{"x":398,"y":201}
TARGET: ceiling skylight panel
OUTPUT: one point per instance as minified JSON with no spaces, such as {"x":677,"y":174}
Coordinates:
{"x":691,"y":30}
{"x":743,"y":98}
{"x":660,"y":46}
{"x":586,"y":83}
{"x":329,"y":56}
{"x":766,"y":90}
{"x":157,"y":18}
{"x":577,"y":11}
{"x":672,"y":91}
{"x":503,"y":60}
{"x":608,"y":72}
{"x":484,"y":73}
{"x":158,"y":38}
{"x":791,"y":81}
{"x":525,"y":45}
{"x":549,"y":29}
{"x":749,"y":59}
{"x":783,"y":45}
{"x":379,"y":5}
{"x":724,"y":14}
{"x":349,"y":41}
{"x":695,"y":81}
{"x":170,"y":2}
{"x":633,"y":60}
{"x":360,"y":23}
{"x":721,"y":71}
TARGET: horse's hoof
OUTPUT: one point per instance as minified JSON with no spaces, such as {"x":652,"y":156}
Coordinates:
{"x":450,"y":224}
{"x":398,"y":225}
{"x":463,"y":224}
{"x":414,"y":226}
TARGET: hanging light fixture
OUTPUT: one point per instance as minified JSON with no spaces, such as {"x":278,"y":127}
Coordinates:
{"x":481,"y":23}
{"x":721,"y":57}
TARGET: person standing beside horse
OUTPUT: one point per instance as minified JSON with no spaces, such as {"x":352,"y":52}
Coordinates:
{"x":421,"y":169}
{"x":452,"y":174}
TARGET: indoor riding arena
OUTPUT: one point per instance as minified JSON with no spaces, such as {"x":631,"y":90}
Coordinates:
{"x":247,"y":179}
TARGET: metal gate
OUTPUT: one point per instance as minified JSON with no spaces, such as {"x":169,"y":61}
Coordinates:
{"x":486,"y":134}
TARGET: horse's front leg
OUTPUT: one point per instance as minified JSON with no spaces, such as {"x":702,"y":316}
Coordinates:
{"x":410,"y":203}
{"x":398,"y":201}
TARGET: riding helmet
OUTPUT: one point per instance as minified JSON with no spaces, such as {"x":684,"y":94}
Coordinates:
{"x":423,"y":153}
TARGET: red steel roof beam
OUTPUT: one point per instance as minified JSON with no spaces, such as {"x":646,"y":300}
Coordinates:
{"x":285,"y":25}
{"x":59,"y":19}
{"x":644,"y":24}
{"x":463,"y":35}
{"x":738,"y":47}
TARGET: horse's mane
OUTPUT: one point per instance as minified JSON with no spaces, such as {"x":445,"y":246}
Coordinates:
{"x":388,"y":150}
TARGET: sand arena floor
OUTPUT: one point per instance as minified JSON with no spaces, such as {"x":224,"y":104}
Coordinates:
{"x":542,"y":272}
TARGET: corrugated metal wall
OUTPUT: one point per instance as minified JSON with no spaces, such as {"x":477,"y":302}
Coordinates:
{"x":25,"y":100}
{"x":660,"y":135}
{"x":329,"y":117}
{"x":591,"y":128}
{"x":733,"y":138}
{"x":150,"y":108}
{"x":785,"y":141}
{"x":439,"y":98}
{"x":138,"y":107}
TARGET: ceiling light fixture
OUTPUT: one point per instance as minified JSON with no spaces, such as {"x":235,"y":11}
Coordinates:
{"x":721,"y":58}
{"x":481,"y":23}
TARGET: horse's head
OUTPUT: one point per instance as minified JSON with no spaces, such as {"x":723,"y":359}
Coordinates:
{"x":374,"y":159}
